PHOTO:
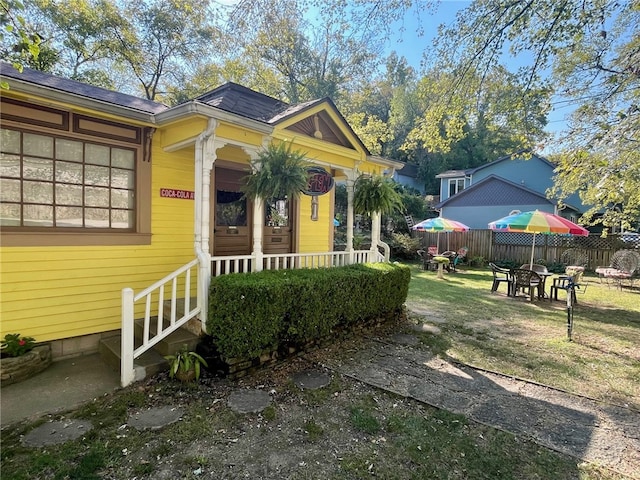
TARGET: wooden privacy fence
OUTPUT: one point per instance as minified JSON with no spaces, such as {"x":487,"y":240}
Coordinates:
{"x":516,"y":247}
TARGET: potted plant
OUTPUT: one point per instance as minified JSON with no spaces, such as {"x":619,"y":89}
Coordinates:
{"x":185,"y":365}
{"x":374,"y":193}
{"x":21,"y":358}
{"x":279,"y":173}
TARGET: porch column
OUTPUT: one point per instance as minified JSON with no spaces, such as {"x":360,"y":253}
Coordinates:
{"x":205,"y":157}
{"x":350,"y":217}
{"x":258,"y":218}
{"x":375,"y":234}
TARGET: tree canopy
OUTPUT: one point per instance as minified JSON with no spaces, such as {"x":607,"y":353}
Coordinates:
{"x":462,"y":109}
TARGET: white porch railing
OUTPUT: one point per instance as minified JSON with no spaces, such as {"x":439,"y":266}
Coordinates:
{"x":290,"y":261}
{"x":154,"y":296}
{"x":128,"y":353}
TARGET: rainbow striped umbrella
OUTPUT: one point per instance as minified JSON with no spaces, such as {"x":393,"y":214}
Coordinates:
{"x":440,"y":224}
{"x":537,"y":222}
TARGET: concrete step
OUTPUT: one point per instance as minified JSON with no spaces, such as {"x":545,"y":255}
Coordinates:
{"x":169,"y":345}
{"x":149,"y":363}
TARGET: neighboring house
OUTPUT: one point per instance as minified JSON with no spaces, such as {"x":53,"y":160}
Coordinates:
{"x":103,"y":191}
{"x":407,"y":175}
{"x":480,"y":195}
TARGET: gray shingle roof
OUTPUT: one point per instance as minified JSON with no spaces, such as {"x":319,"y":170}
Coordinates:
{"x":81,"y":89}
{"x":240,"y":100}
{"x":494,"y":191}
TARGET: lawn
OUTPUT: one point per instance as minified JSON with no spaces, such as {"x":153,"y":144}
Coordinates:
{"x":529,"y":339}
{"x":350,"y":430}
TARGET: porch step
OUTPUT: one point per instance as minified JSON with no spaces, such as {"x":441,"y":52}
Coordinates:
{"x":169,"y":345}
{"x":149,"y":363}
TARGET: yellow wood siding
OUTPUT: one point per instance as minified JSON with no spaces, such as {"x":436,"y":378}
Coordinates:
{"x":58,"y":292}
{"x":314,"y":235}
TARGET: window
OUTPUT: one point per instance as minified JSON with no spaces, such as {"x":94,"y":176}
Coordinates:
{"x":48,"y":181}
{"x":455,"y":185}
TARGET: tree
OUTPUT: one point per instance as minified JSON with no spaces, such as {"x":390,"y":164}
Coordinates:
{"x":20,"y":44}
{"x":312,"y":60}
{"x":123,"y":43}
{"x":591,"y":50}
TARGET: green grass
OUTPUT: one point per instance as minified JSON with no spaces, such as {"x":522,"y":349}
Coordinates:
{"x":529,"y":339}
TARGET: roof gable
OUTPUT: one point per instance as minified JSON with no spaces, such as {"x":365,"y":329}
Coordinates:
{"x":493,"y":191}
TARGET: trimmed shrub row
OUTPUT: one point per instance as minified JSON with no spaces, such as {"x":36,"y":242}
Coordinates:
{"x":257,"y":312}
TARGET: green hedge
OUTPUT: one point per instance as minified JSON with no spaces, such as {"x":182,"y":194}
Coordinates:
{"x":257,"y":312}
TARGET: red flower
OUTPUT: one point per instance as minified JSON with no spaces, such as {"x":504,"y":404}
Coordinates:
{"x":22,"y":342}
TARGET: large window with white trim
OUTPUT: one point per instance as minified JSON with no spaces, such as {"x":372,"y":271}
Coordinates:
{"x":49,"y":181}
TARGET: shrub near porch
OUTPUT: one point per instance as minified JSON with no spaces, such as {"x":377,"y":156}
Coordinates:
{"x":258,"y":312}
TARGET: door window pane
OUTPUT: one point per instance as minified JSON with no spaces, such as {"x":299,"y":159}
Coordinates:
{"x":277,"y":213}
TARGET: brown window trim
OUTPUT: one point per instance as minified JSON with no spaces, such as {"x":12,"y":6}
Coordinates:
{"x":24,"y":237}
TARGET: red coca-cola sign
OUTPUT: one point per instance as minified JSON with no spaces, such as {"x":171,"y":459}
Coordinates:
{"x":320,"y":182}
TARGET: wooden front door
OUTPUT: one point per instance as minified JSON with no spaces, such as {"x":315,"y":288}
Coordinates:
{"x":232,"y":214}
{"x":277,"y":227}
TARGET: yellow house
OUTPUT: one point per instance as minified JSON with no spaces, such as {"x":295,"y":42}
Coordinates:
{"x":114,"y":207}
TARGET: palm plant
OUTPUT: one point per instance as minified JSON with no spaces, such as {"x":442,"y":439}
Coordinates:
{"x":280,"y":173}
{"x":374,"y":193}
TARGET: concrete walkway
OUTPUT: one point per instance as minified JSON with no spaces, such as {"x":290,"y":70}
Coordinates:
{"x":64,"y":385}
{"x":583,"y":428}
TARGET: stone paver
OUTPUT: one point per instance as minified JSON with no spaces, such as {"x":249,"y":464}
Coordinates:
{"x":311,"y":379}
{"x":249,"y":401}
{"x":54,"y":433}
{"x":155,"y":418}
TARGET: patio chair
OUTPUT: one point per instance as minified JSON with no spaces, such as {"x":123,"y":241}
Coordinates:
{"x":501,"y":275}
{"x":427,"y":257}
{"x":527,"y":281}
{"x":624,"y":265}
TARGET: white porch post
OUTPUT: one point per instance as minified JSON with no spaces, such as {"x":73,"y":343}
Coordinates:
{"x":350,"y":218}
{"x":375,"y":235}
{"x":258,"y":218}
{"x":205,"y":157}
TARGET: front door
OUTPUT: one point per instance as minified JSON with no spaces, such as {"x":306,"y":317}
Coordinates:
{"x":277,"y":227}
{"x":232,"y":214}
